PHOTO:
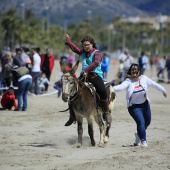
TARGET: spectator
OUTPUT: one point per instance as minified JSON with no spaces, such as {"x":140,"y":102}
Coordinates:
{"x":58,"y":83}
{"x":105,"y":65}
{"x":1,"y":84}
{"x":120,"y":70}
{"x":47,"y":64}
{"x":4,"y":61}
{"x":168,"y":69}
{"x":43,"y":83}
{"x":8,"y":99}
{"x":151,"y":63}
{"x":36,"y":71}
{"x":161,"y":67}
{"x":1,"y":54}
{"x":143,"y":62}
{"x":70,"y":60}
{"x":64,"y":57}
{"x":127,"y":61}
{"x":7,"y":75}
{"x":58,"y":86}
{"x":24,"y":79}
{"x":17,"y":60}
{"x":26,"y":58}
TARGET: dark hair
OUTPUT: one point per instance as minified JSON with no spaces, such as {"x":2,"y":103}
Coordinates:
{"x":27,"y":49}
{"x":10,"y":87}
{"x":130,"y":68}
{"x":38,"y":50}
{"x":23,"y":48}
{"x":17,"y":49}
{"x":90,"y":39}
{"x":142,"y":53}
{"x":34,"y":48}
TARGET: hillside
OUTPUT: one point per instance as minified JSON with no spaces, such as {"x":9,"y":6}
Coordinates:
{"x":73,"y":11}
{"x":151,"y":6}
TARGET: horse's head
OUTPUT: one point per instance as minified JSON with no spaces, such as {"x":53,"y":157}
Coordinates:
{"x":68,"y":81}
{"x":69,"y":86}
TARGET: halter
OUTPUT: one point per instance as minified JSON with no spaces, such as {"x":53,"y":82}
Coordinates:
{"x":69,"y":84}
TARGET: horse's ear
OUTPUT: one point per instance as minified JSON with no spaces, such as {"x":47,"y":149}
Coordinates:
{"x":63,"y":67}
{"x":74,"y":69}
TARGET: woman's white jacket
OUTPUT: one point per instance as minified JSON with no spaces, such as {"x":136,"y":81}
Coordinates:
{"x":144,"y":81}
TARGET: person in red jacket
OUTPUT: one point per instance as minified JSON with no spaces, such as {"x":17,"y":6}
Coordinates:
{"x":47,"y":64}
{"x":8,"y":99}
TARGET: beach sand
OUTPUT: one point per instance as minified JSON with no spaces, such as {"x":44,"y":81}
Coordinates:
{"x":38,"y":140}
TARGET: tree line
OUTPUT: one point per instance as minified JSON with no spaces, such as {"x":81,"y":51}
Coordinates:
{"x":31,"y":31}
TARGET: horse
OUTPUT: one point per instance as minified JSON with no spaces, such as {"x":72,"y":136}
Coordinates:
{"x":84,"y":104}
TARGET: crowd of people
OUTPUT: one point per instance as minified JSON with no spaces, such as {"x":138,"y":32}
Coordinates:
{"x":25,"y":71}
{"x":31,"y":71}
{"x":162,"y":64}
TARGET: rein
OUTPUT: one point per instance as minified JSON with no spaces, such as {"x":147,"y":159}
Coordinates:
{"x":77,"y":93}
{"x":65,"y":110}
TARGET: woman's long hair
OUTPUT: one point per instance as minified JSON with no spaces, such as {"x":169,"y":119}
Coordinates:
{"x":128,"y":74}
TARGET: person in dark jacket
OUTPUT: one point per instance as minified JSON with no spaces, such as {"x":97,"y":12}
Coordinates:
{"x":17,"y":60}
{"x":47,"y":64}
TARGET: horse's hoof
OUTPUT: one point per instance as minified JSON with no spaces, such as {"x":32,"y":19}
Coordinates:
{"x":106,"y":139}
{"x":93,"y":143}
{"x":101,"y":145}
{"x":79,"y":145}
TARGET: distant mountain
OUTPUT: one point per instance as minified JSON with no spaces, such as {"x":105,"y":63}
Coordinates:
{"x":152,"y":7}
{"x":74,"y":11}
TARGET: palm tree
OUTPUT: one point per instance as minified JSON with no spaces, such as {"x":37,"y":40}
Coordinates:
{"x":10,"y":24}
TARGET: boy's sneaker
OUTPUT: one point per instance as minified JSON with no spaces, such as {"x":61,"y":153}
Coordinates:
{"x":137,"y":140}
{"x":144,"y":143}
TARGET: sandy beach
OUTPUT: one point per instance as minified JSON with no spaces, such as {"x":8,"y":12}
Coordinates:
{"x":38,"y":140}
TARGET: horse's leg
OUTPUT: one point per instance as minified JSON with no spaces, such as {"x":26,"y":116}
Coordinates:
{"x":99,"y":121}
{"x":108,"y":126}
{"x":106,"y":138}
{"x":91,"y":131}
{"x":111,"y":94}
{"x":80,"y":130}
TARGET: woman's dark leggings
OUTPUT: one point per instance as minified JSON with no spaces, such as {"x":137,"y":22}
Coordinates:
{"x":100,"y":87}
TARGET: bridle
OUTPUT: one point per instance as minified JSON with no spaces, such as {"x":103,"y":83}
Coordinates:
{"x":71,"y":88}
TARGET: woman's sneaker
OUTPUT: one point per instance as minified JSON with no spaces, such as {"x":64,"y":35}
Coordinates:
{"x":137,"y":140}
{"x":144,"y":143}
